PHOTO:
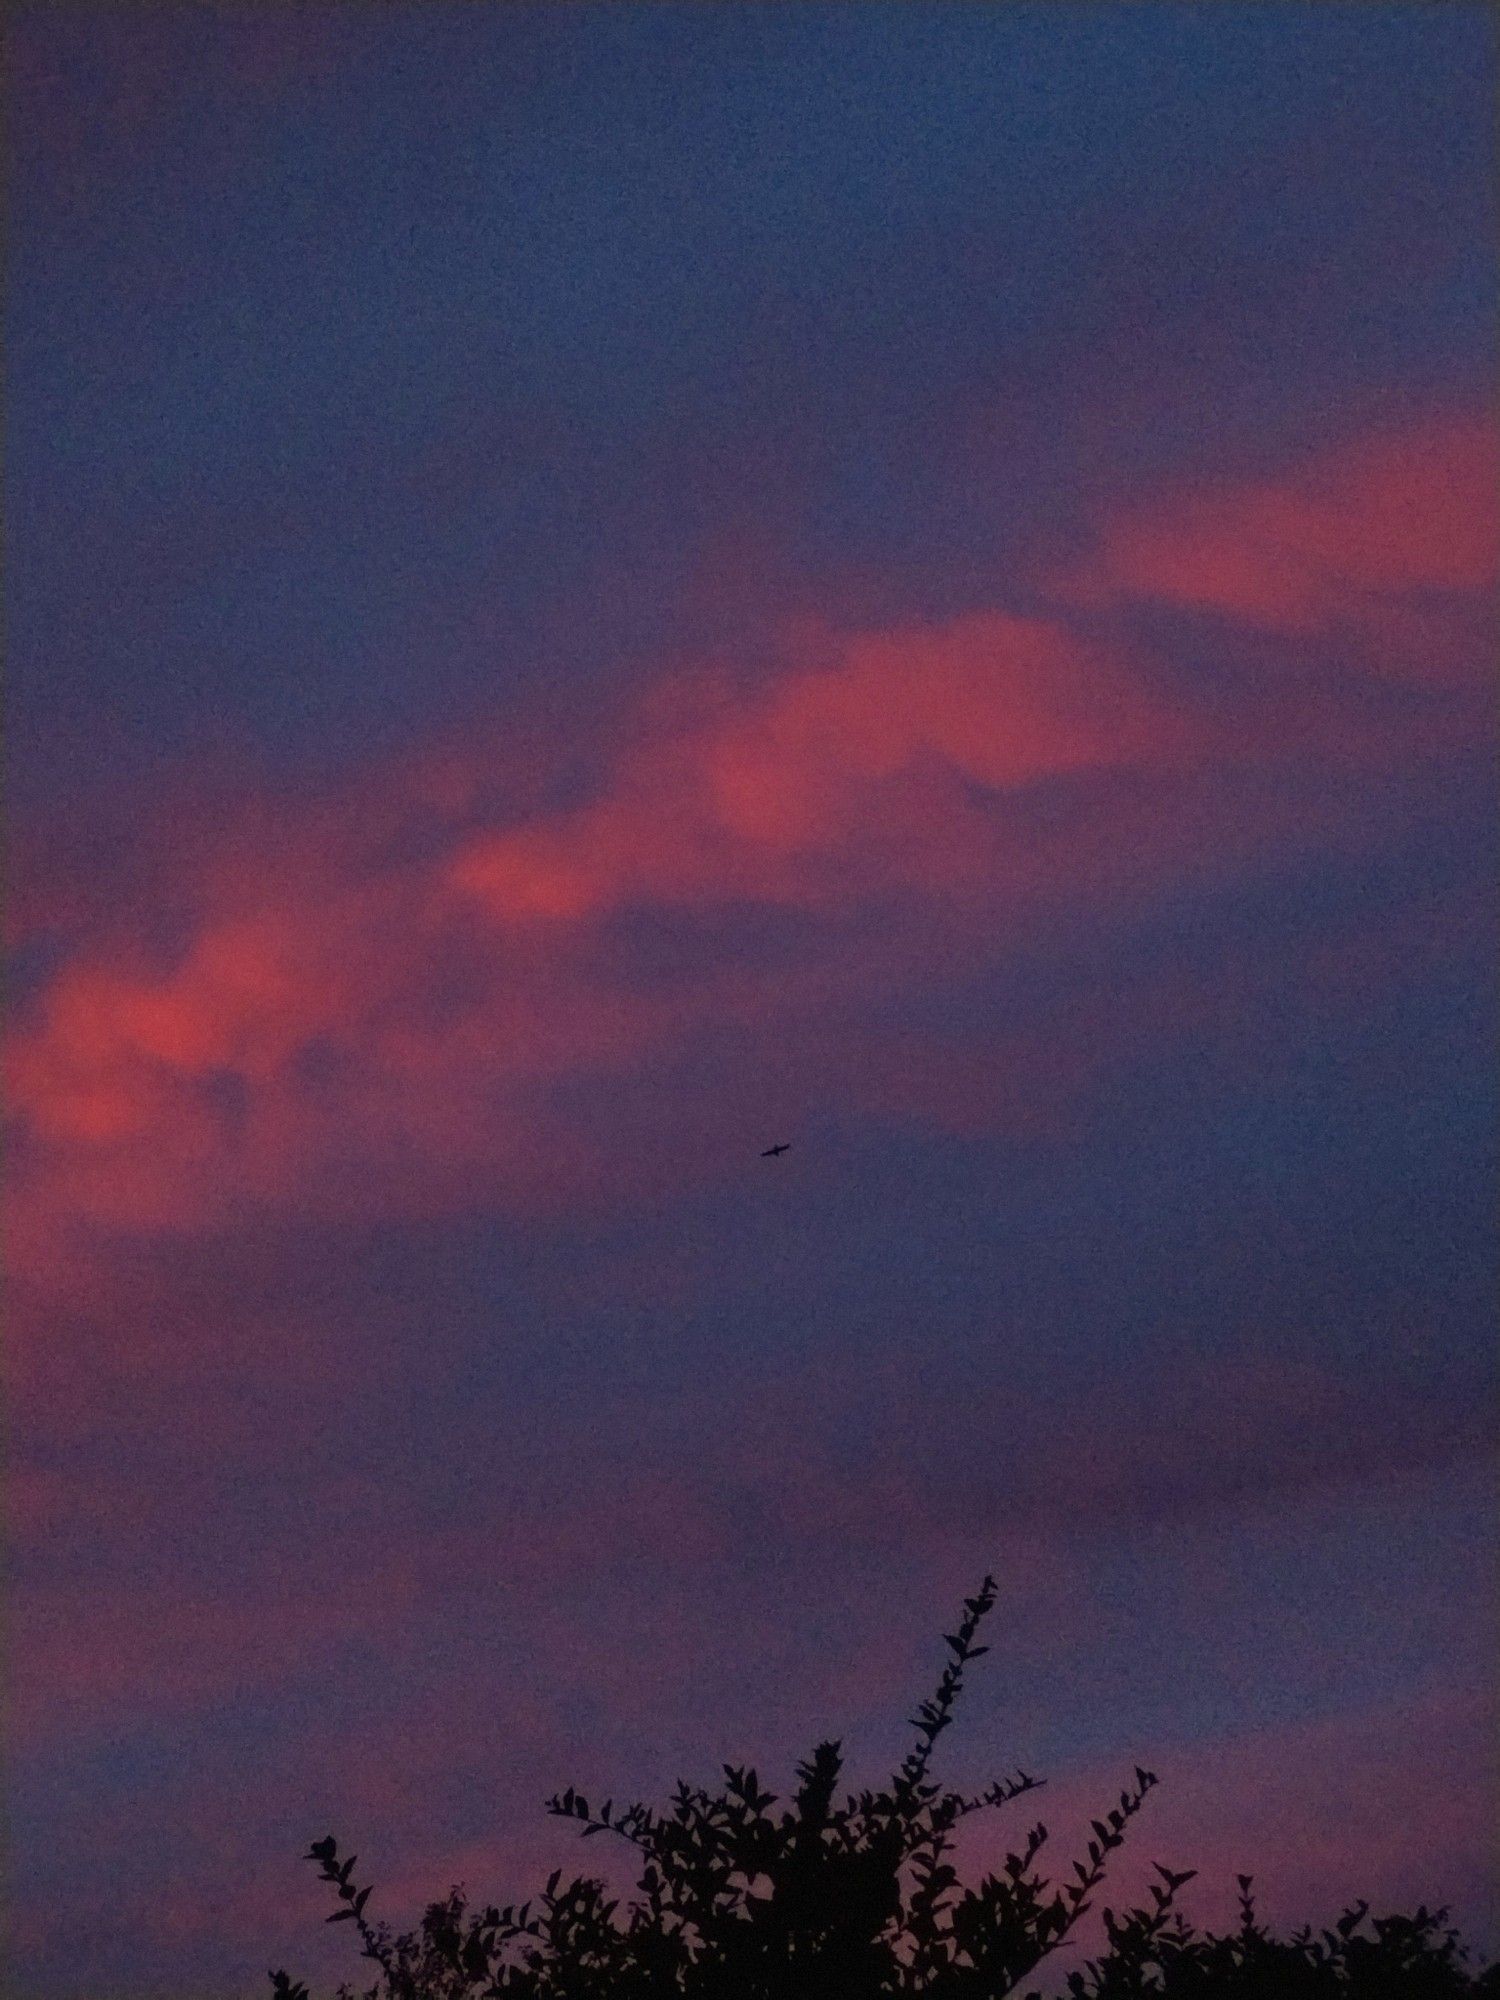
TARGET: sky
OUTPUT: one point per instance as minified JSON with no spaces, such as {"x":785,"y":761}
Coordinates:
{"x":591,"y":589}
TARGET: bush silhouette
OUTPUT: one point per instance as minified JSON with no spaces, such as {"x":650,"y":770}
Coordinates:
{"x":858,"y":1901}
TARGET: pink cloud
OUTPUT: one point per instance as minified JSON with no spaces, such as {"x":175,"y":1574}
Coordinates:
{"x":391,"y":995}
{"x":433,"y":1010}
{"x":597,"y":1610}
{"x":1348,"y":540}
{"x":1305,"y":1807}
{"x":1382,"y":1802}
{"x":766,"y":794}
{"x":144,"y":1652}
{"x":648,"y":1548}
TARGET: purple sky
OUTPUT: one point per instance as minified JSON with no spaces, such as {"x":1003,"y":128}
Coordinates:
{"x":591,"y":588}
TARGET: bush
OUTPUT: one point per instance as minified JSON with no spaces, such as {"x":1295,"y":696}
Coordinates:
{"x":859,"y":1901}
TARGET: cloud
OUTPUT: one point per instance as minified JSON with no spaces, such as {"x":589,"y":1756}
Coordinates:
{"x":187,"y":1533}
{"x":1356,"y":538}
{"x":1301,"y":1803}
{"x":410,"y":1675}
{"x":845,"y":772}
{"x":1378,"y":1801}
{"x":333,"y":1005}
{"x":416,"y":989}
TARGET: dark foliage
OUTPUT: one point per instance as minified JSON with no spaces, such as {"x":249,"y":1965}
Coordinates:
{"x":858,"y":1900}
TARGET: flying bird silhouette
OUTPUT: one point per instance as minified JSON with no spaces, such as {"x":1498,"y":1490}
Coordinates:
{"x":771,"y":1152}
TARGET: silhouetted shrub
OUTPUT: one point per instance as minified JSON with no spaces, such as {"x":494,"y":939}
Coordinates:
{"x":859,"y":1901}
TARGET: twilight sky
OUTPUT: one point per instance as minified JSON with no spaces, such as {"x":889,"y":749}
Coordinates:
{"x":593,"y":588}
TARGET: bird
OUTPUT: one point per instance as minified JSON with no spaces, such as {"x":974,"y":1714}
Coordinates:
{"x":772,"y":1152}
